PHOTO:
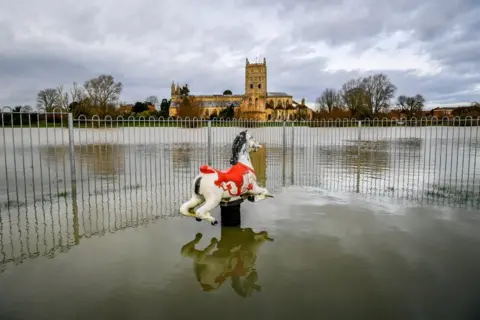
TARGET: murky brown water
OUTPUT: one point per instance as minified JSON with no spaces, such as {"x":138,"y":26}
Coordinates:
{"x":333,"y":256}
{"x":120,"y":249}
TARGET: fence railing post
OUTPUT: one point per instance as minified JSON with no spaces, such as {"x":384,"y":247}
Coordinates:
{"x":292,"y":164}
{"x":284,"y":130}
{"x":73,"y":174}
{"x":209,"y":143}
{"x":71,"y":145}
{"x":359,"y":139}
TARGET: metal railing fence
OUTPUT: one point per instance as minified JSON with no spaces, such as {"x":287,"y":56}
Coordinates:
{"x":47,"y":155}
{"x":114,"y":173}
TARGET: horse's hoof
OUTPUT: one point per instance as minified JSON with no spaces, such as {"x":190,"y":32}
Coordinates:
{"x":198,"y":219}
{"x":214,"y":223}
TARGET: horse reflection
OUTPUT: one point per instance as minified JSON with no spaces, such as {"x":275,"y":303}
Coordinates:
{"x":234,"y":258}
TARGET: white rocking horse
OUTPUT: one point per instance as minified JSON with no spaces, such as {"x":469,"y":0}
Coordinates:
{"x":211,"y":186}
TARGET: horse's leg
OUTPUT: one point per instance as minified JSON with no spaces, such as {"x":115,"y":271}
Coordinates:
{"x":194,"y":201}
{"x":258,"y":192}
{"x":211,"y":201}
{"x":203,"y":254}
{"x":257,"y":189}
{"x":189,"y":250}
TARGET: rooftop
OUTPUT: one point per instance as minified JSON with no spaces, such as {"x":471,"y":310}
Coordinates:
{"x":278,"y":94}
{"x":224,"y":96}
{"x":212,"y":104}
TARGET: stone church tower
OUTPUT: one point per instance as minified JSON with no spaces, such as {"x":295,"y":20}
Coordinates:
{"x":253,"y":105}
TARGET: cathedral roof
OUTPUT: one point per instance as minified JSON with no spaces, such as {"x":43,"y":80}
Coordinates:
{"x":211,"y":104}
{"x":278,"y":94}
{"x":219,"y":96}
{"x":219,"y":104}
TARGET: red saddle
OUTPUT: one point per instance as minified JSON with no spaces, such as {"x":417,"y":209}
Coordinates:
{"x":233,"y":174}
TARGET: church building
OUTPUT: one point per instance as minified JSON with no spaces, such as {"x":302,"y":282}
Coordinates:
{"x":255,"y":103}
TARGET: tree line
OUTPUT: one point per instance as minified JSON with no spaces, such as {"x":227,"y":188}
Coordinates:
{"x":371,"y":97}
{"x":362,"y":97}
{"x":100,"y":96}
{"x":97,"y":96}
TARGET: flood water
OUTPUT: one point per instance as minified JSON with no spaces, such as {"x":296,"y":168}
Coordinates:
{"x":381,"y":227}
{"x":305,"y":254}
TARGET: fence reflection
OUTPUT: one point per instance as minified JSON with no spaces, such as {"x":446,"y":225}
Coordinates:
{"x":54,"y":226}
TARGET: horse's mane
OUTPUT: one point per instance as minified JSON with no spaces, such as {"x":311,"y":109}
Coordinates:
{"x":239,"y":141}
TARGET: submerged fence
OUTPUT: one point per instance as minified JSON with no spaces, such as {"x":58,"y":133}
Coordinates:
{"x":116,"y":173}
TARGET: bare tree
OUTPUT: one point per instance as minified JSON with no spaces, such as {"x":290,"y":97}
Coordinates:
{"x":354,"y":96}
{"x":27,"y":108}
{"x":152,"y":100}
{"x":62,"y":99}
{"x":47,"y":98}
{"x":329,"y":100}
{"x":379,"y":91}
{"x":79,"y":103}
{"x":103,"y":91}
{"x":411,"y":105}
{"x":77,"y":93}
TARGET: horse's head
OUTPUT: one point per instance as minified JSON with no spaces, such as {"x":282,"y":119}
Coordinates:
{"x":252,"y":144}
{"x":243,"y":140}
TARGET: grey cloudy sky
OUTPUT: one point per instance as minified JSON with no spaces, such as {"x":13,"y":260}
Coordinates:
{"x":430,"y":47}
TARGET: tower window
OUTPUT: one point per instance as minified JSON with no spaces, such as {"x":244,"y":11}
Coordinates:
{"x":251,"y":85}
{"x":250,"y":100}
{"x":259,"y":86}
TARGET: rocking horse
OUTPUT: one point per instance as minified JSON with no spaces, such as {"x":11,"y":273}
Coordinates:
{"x":212,"y":187}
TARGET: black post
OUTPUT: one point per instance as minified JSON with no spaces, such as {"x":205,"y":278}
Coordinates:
{"x":230,"y":213}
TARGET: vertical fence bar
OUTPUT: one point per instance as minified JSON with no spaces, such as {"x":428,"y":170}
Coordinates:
{"x":71,"y":145}
{"x":284,"y":149}
{"x":357,"y":189}
{"x":292,"y":164}
{"x":209,"y":143}
{"x":73,"y":180}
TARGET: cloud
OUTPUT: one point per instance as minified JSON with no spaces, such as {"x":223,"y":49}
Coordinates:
{"x":429,"y":47}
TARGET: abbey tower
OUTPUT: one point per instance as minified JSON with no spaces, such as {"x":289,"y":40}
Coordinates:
{"x":254,"y":103}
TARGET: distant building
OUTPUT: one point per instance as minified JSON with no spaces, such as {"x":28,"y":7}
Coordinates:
{"x":443,"y":112}
{"x":255,"y":103}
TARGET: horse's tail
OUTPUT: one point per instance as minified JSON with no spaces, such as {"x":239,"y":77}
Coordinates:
{"x":197,"y":185}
